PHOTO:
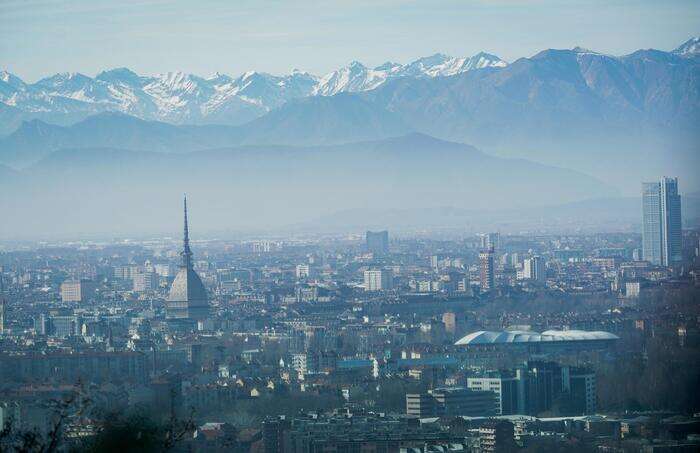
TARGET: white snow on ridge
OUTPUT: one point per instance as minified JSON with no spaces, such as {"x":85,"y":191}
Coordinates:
{"x":356,"y":77}
{"x":689,"y":48}
{"x":181,"y":97}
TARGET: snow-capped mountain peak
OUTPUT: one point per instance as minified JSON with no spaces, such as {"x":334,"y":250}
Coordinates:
{"x":357,"y":77}
{"x":11,"y":80}
{"x":64,"y":81}
{"x":689,"y":48}
{"x":216,"y":76}
{"x":583,"y":50}
{"x":177,"y":81}
{"x":181,"y":97}
{"x":353,"y":77}
{"x":389,"y":67}
{"x":248,"y":75}
{"x":483,"y":60}
{"x":431,"y":60}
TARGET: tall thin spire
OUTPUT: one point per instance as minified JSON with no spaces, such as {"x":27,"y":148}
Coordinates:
{"x":186,"y":252}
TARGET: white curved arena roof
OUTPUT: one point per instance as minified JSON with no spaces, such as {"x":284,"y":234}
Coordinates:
{"x":507,"y":337}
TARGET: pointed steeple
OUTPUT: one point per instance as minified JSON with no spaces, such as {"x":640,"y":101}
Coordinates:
{"x":186,"y":252}
{"x":187,"y":298}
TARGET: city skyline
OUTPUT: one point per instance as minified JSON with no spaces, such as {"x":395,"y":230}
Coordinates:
{"x":483,"y":326}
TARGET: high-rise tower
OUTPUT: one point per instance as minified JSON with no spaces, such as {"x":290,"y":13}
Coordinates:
{"x":187,"y":298}
{"x":661,"y":222}
{"x":377,"y":242}
{"x":2,"y":308}
{"x":486,"y":270}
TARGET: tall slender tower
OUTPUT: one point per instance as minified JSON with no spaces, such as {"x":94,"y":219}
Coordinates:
{"x":661,"y":222}
{"x":2,"y":307}
{"x":186,"y":251}
{"x":187,"y":298}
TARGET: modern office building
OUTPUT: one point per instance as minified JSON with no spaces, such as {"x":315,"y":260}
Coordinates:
{"x":508,"y":387}
{"x":2,"y":308}
{"x":486,"y":270}
{"x":377,"y":242}
{"x":463,"y":401}
{"x":661,"y":222}
{"x":377,"y":280}
{"x":187,"y":298}
{"x":538,"y":387}
{"x":2,"y":315}
{"x":582,"y":387}
{"x":451,"y":402}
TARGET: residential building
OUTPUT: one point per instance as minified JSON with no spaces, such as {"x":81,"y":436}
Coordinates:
{"x":497,"y":436}
{"x":145,"y":281}
{"x":486,"y":270}
{"x":302,"y":271}
{"x":534,"y":269}
{"x":377,"y":280}
{"x":77,"y":290}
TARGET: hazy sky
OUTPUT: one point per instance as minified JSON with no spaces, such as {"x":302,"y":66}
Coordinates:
{"x":42,"y":37}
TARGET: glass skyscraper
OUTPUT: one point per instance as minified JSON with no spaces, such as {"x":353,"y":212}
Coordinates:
{"x":661,"y":223}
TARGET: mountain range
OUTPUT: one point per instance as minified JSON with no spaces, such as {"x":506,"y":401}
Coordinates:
{"x":559,"y":127}
{"x":621,"y":119}
{"x":182,"y":98}
{"x":317,"y":120}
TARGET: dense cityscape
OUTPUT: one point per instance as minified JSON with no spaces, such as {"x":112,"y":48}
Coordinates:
{"x":361,"y":342}
{"x":386,"y":226}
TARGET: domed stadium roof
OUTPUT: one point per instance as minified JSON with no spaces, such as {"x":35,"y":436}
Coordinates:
{"x":187,"y":287}
{"x":577,"y":335}
{"x":508,"y":337}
